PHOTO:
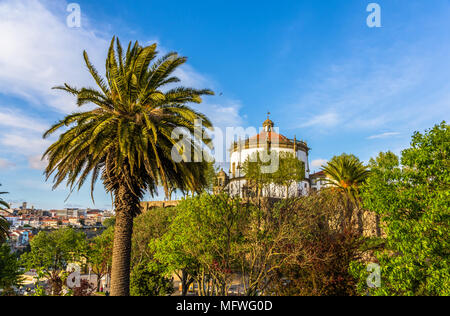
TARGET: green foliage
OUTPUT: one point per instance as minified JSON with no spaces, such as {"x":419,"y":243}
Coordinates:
{"x":148,"y":279}
{"x":285,"y":172}
{"x":149,"y":226}
{"x":290,"y":170}
{"x":99,"y":255}
{"x":346,"y":173}
{"x":4,"y":225}
{"x":413,"y":201}
{"x":39,"y":291}
{"x":201,"y":240}
{"x":210,"y":173}
{"x":254,"y":171}
{"x":384,"y":162}
{"x":268,"y":230}
{"x":51,"y":252}
{"x":317,"y":249}
{"x":127,"y":137}
{"x":9,"y":268}
{"x":212,"y":237}
{"x":109,"y":222}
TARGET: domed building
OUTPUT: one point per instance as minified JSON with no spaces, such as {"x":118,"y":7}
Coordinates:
{"x":268,"y":139}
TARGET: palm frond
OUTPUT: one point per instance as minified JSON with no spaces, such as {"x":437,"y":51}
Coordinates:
{"x":127,"y":138}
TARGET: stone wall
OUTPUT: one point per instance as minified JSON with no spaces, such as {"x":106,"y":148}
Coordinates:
{"x":145,"y":206}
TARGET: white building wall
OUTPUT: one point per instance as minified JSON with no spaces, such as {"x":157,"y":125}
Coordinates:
{"x":238,"y":158}
{"x":318,"y":184}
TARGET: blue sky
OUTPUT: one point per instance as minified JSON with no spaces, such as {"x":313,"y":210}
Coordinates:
{"x":315,"y":65}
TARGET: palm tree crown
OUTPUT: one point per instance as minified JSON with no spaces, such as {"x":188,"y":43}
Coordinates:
{"x":347,"y":173}
{"x":128,"y":134}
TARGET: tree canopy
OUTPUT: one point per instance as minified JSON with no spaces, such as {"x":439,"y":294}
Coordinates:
{"x":52,"y":252}
{"x":10,"y":274}
{"x":413,"y":200}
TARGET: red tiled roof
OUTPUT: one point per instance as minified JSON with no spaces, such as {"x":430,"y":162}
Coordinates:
{"x":320,"y":174}
{"x":270,"y":136}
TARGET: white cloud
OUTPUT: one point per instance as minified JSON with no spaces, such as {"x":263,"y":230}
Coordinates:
{"x":191,"y":78}
{"x":405,"y":86}
{"x":37,"y":184}
{"x":21,"y":134}
{"x":39,"y":51}
{"x":318,"y":163}
{"x":5,"y":164}
{"x":329,"y":119}
{"x":25,"y":144}
{"x":35,"y":162}
{"x":223,"y":113}
{"x":9,"y":118}
{"x":383,"y":135}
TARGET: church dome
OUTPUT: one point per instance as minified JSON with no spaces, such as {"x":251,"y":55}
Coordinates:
{"x":268,"y":137}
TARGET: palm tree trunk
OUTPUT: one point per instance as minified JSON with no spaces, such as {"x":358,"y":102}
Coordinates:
{"x":121,"y":261}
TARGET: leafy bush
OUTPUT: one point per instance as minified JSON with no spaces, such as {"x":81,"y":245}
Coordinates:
{"x":413,"y":201}
{"x":149,"y":280}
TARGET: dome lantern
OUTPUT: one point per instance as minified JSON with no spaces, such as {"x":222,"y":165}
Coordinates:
{"x":268,"y":125}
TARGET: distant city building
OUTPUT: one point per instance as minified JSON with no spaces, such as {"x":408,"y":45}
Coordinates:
{"x":318,"y":181}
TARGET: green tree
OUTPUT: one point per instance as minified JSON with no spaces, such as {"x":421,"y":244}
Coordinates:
{"x":51,"y":252}
{"x":109,"y":222}
{"x":170,"y":251}
{"x":100,"y":254}
{"x":149,"y":226}
{"x":211,"y":174}
{"x":148,"y":279}
{"x":267,"y":233}
{"x":202,"y":240}
{"x":413,"y":201}
{"x":290,"y":171}
{"x":10,"y":274}
{"x":255,"y":169}
{"x":4,"y":225}
{"x":384,"y":162}
{"x":261,"y":173}
{"x":346,"y":174}
{"x":127,"y":139}
{"x":316,"y":254}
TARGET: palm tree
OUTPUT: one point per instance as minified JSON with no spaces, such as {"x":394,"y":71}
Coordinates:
{"x":4,"y":225}
{"x":126,"y":139}
{"x":346,"y":173}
